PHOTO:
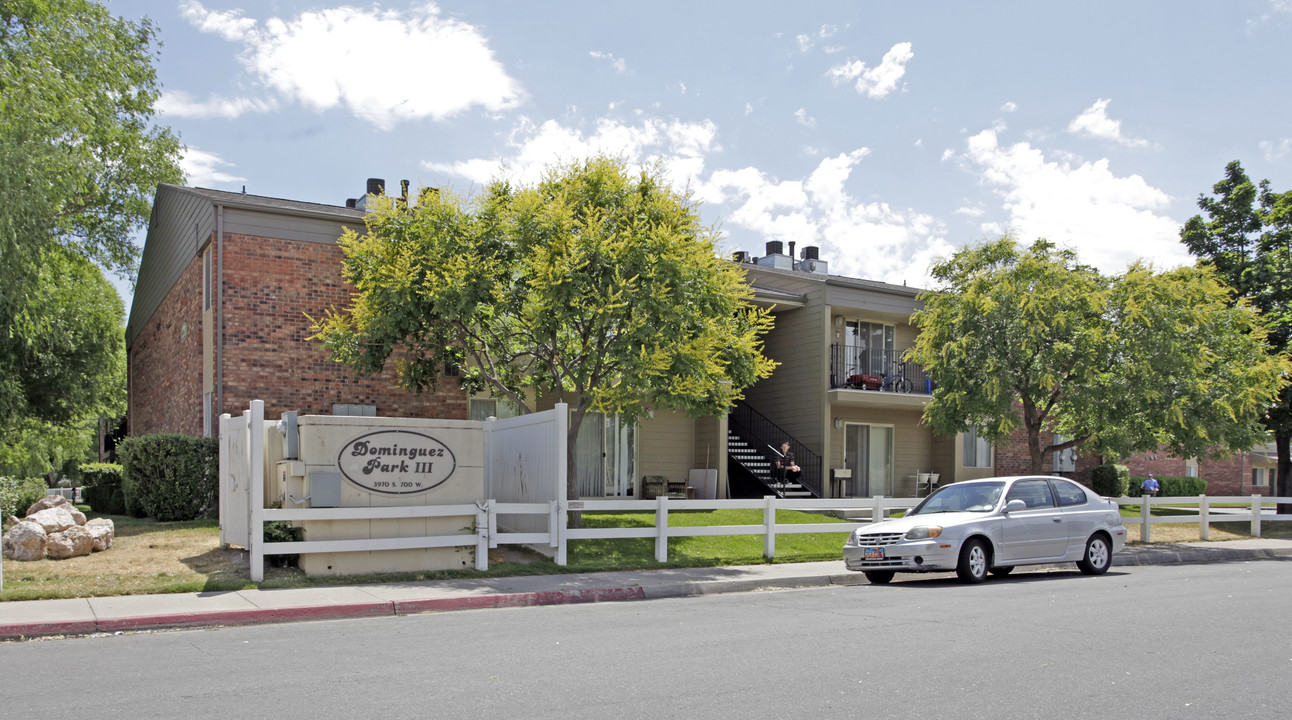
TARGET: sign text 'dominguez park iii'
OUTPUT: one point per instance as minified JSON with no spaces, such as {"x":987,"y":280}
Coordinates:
{"x":396,"y":462}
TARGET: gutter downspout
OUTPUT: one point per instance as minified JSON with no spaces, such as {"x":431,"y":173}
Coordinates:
{"x":219,"y":314}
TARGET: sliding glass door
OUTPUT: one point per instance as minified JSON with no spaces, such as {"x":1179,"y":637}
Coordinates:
{"x":868,"y":453}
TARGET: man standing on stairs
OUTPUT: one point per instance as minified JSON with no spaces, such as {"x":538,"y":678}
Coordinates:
{"x":786,"y":467}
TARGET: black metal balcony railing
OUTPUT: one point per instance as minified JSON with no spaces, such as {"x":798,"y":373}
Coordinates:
{"x":861,"y":368}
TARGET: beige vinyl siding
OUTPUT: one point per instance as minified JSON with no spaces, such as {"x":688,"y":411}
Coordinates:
{"x":665,"y":446}
{"x":245,"y":221}
{"x":170,"y":247}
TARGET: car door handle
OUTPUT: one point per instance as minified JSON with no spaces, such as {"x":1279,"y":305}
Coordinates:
{"x":1057,"y":519}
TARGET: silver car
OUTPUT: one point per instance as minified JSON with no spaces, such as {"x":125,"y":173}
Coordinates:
{"x":979,"y":526}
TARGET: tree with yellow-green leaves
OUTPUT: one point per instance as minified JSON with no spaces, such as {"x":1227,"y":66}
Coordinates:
{"x":1030,"y":338}
{"x":597,"y":286}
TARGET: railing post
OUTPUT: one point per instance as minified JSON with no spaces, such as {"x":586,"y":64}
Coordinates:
{"x":877,"y":513}
{"x":1146,"y":525}
{"x":1256,"y":515}
{"x":661,"y":529}
{"x":769,"y":526}
{"x":1204,"y":518}
{"x":256,"y":503}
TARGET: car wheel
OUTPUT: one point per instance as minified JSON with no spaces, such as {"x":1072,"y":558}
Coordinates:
{"x":1098,"y":556}
{"x":973,"y":562}
{"x":879,"y":577}
{"x":1002,"y":571}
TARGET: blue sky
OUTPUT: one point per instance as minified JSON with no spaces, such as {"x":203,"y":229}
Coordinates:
{"x":887,"y":133}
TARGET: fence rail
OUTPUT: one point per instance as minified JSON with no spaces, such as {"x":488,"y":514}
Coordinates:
{"x":1210,"y":509}
{"x":557,"y":535}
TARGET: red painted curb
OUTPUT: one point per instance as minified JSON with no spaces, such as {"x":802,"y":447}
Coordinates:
{"x":70,"y":627}
{"x":250,"y":615}
{"x":521,"y":599}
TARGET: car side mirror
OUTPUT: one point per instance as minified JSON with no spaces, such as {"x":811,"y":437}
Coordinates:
{"x":1014,"y":506}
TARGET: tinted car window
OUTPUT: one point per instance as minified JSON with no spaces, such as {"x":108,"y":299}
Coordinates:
{"x":1036,"y":493}
{"x":1069,"y":493}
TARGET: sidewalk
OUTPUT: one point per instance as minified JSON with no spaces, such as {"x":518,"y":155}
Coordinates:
{"x":82,"y":616}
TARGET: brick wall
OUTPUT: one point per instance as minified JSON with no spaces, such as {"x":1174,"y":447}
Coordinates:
{"x":165,"y":363}
{"x":270,"y":285}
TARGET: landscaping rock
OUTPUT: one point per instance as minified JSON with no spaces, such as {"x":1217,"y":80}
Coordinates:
{"x":54,"y":519}
{"x":25,"y":541}
{"x":72,"y":542}
{"x":102,"y":531}
{"x":77,"y":515}
{"x":46,"y":503}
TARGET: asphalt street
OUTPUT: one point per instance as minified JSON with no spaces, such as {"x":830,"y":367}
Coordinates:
{"x":1162,"y":641}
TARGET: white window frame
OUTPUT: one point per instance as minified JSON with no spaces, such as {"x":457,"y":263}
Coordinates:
{"x":1064,"y":460}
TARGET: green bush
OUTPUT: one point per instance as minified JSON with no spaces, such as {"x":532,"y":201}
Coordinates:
{"x":1110,"y":480}
{"x":18,"y":494}
{"x":170,"y":477}
{"x":1170,"y":486}
{"x":283,"y":531}
{"x":101,"y":488}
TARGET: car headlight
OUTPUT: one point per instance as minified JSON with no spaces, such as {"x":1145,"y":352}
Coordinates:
{"x":923,"y":532}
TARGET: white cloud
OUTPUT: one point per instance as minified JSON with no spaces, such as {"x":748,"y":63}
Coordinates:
{"x":879,"y":81}
{"x":201,"y":169}
{"x":326,"y":59}
{"x":177,"y":103}
{"x":805,"y":42}
{"x":1109,"y":220}
{"x":618,"y":64}
{"x":1276,"y":150}
{"x":859,"y":239}
{"x":802,"y":118}
{"x":948,"y":154}
{"x":1009,"y":107}
{"x":680,"y":147}
{"x":749,"y":109}
{"x":1094,"y":122}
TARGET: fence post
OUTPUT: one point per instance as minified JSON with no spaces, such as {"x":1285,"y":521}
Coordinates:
{"x":1256,"y":515}
{"x":661,"y":528}
{"x":559,"y":539}
{"x":256,"y":503}
{"x":1146,"y":526}
{"x":1204,"y":519}
{"x":484,"y":520}
{"x":877,"y":514}
{"x":769,"y":526}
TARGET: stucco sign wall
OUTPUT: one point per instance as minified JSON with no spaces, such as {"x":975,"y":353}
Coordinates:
{"x":396,"y":462}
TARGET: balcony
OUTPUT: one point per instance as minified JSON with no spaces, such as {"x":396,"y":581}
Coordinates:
{"x":876,"y":378}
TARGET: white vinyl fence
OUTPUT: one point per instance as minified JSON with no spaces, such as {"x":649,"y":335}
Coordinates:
{"x":1207,"y":509}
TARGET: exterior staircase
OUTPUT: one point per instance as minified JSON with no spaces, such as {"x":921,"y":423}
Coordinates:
{"x":753,"y":442}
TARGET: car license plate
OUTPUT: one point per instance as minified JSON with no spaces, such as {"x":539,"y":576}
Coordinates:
{"x":872,"y":553}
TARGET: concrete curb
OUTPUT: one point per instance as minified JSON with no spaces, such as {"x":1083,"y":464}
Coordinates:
{"x":646,"y":585}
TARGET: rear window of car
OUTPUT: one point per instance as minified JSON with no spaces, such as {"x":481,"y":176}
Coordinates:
{"x":1069,"y":493}
{"x":1036,"y":493}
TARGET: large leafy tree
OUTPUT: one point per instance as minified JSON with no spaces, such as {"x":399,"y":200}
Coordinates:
{"x":79,"y":161}
{"x":1030,"y":338}
{"x":1246,"y":237}
{"x":597,"y":286}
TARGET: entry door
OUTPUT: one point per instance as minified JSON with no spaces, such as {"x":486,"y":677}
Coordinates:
{"x":868,"y":452}
{"x":605,"y":450}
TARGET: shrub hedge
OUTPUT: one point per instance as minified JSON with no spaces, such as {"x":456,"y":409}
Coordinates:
{"x":1110,"y":480}
{"x":1172,"y":486}
{"x":101,"y":488}
{"x":170,"y":477}
{"x":18,"y":494}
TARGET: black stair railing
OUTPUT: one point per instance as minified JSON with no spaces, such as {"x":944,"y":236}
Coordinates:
{"x":767,"y":437}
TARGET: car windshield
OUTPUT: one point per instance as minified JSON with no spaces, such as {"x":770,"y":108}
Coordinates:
{"x":957,"y":497}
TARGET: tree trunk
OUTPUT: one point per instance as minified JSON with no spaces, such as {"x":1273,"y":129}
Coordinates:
{"x":1283,"y":469}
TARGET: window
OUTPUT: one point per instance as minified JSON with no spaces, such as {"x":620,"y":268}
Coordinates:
{"x":1261,"y":476}
{"x":1070,"y":494}
{"x":977,"y":450}
{"x":1191,"y":468}
{"x":1036,"y":493}
{"x":206,"y":279}
{"x":483,"y":408}
{"x":868,"y":453}
{"x":1064,"y":460}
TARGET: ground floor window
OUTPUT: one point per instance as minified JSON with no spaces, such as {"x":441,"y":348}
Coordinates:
{"x":977,"y":450}
{"x":483,"y":408}
{"x":605,"y":455}
{"x":1262,"y":477}
{"x":868,"y":453}
{"x":1064,"y":460}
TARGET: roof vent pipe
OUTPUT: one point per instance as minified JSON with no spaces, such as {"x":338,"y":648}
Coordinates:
{"x":403,"y":191}
{"x":774,"y":247}
{"x":791,"y":252}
